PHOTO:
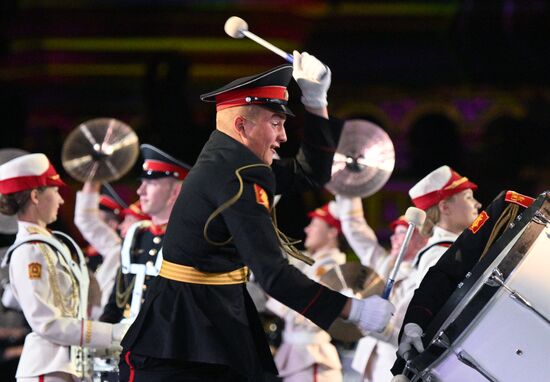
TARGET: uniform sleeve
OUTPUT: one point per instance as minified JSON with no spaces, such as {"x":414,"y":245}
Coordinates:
{"x":311,"y":168}
{"x":96,"y":232}
{"x":111,"y":312}
{"x":38,"y":296}
{"x":102,"y":237}
{"x":360,"y":235}
{"x":254,"y":237}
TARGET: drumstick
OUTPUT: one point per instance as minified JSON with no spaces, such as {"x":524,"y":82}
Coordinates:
{"x":415,"y":217}
{"x":238,"y":28}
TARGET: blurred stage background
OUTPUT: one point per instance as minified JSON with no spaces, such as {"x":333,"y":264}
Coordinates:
{"x":464,"y":83}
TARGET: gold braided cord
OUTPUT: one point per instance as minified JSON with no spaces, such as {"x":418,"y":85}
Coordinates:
{"x":69,"y":305}
{"x":228,"y":204}
{"x":505,"y":219}
{"x":122,"y":296}
{"x":286,"y":243}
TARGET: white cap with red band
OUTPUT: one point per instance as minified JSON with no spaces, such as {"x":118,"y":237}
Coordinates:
{"x":438,"y":185}
{"x":27,"y":172}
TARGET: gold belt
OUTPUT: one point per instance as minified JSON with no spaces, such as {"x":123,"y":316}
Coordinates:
{"x":183,"y":273}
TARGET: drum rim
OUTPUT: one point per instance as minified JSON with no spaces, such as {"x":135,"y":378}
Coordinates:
{"x":507,"y":265}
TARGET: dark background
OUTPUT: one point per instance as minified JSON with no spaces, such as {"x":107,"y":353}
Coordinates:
{"x":463,"y":83}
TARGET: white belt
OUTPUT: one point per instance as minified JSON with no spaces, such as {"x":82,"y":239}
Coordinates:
{"x":304,"y":338}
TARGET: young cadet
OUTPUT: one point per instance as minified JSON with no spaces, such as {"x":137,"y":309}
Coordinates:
{"x":448,"y":199}
{"x":198,"y":321}
{"x":375,"y":353}
{"x":161,"y":181}
{"x":48,"y":276}
{"x":306,"y":352}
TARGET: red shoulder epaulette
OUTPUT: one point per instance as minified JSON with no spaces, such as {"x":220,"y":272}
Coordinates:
{"x":519,"y":199}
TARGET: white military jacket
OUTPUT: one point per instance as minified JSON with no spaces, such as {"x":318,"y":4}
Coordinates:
{"x":432,"y":255}
{"x":379,"y":349}
{"x":103,"y":238}
{"x":304,"y":343}
{"x":48,"y":294}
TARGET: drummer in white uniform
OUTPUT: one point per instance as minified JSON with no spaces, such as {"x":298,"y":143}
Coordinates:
{"x":375,"y":353}
{"x":46,"y":277}
{"x":448,"y":199}
{"x":306,"y":352}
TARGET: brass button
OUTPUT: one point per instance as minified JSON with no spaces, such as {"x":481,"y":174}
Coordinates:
{"x":157,"y":240}
{"x":149,"y":264}
{"x":144,"y":287}
{"x":153,"y":251}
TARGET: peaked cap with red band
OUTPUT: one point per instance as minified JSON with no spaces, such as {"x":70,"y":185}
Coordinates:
{"x":266,"y":89}
{"x":324,"y":214}
{"x":401,"y":220}
{"x":134,"y":209}
{"x":158,"y":164}
{"x":437,"y":186}
{"x":109,"y":204}
{"x":109,"y":200}
{"x":28,"y":172}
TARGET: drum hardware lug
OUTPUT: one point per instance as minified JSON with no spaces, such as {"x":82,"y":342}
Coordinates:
{"x":468,"y":360}
{"x":540,"y":218}
{"x":442,"y":340}
{"x":460,"y":285}
{"x":468,"y":275}
{"x":496,"y":278}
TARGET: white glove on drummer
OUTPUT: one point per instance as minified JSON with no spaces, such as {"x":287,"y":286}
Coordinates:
{"x":371,"y":314}
{"x":412,"y":336}
{"x":313,"y":78}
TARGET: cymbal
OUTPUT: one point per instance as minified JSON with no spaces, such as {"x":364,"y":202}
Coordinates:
{"x":102,"y":149}
{"x":363,"y":281}
{"x":363,"y":161}
{"x":8,"y":224}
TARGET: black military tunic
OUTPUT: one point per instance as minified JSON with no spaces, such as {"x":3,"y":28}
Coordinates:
{"x":147,"y":244}
{"x":442,"y":279}
{"x":219,"y":324}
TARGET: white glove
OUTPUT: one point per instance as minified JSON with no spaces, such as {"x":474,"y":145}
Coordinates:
{"x":118,"y":332}
{"x":313,"y":78}
{"x":371,"y":314}
{"x":347,"y":207}
{"x":412,"y":336}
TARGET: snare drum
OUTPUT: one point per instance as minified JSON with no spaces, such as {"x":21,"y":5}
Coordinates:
{"x":500,"y":328}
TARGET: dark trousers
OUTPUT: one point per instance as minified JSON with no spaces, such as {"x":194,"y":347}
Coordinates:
{"x":138,"y":368}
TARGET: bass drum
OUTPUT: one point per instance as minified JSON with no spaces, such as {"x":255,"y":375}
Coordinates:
{"x":496,"y":326}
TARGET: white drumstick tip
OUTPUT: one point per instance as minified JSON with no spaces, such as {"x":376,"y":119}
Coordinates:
{"x":415,"y":216}
{"x":234,"y":27}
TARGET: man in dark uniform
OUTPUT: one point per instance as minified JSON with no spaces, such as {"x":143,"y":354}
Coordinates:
{"x":198,"y":322}
{"x":161,"y":181}
{"x":451,"y":269}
